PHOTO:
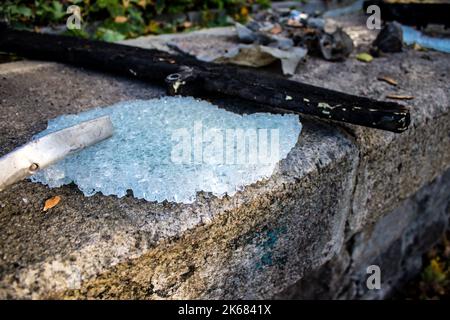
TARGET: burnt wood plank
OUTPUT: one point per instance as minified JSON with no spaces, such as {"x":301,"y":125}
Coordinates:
{"x":185,"y":75}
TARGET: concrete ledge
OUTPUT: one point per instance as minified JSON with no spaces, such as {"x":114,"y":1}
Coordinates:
{"x":396,"y":243}
{"x":335,"y":187}
{"x":84,"y":245}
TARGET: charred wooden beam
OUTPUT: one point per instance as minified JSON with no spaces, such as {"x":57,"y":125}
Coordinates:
{"x":184,"y":75}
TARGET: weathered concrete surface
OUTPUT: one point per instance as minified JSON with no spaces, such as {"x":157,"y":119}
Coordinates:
{"x":263,"y":237}
{"x":396,"y":243}
{"x":388,"y":161}
{"x":326,"y":194}
{"x":392,"y":167}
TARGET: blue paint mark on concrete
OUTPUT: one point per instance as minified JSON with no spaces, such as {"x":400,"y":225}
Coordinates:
{"x":268,"y":245}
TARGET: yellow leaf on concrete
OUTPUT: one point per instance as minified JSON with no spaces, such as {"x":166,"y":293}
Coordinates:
{"x":387,"y":79}
{"x":399,"y":97}
{"x":365,"y":57}
{"x":50,"y":203}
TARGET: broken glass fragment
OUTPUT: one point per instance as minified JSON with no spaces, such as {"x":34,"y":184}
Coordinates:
{"x":171,"y":148}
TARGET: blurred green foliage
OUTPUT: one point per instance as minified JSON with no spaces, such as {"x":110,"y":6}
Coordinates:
{"x":112,"y":20}
{"x":434,"y":280}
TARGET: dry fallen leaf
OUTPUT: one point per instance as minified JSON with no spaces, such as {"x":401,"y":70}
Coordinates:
{"x":389,"y":80}
{"x":418,"y":47}
{"x":276,"y":29}
{"x":187,"y":24}
{"x":142,"y":3}
{"x":399,"y":97}
{"x":244,"y":11}
{"x":50,"y":203}
{"x":364,"y":57}
{"x":120,"y":19}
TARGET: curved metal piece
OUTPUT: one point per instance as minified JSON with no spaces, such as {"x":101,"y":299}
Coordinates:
{"x":40,"y":153}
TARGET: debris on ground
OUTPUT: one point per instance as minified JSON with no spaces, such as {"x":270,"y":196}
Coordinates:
{"x":335,"y":46}
{"x":364,"y":57}
{"x":399,"y":97}
{"x":287,"y":36}
{"x":289,"y":58}
{"x":418,"y":47}
{"x":416,"y":38}
{"x":389,"y":80}
{"x":390,"y":38}
{"x":52,"y":202}
{"x":245,"y":55}
{"x":289,"y":30}
{"x":431,"y":13}
{"x":261,"y":46}
{"x":251,"y":55}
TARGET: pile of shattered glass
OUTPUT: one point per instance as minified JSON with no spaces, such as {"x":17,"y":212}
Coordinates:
{"x":171,"y":148}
